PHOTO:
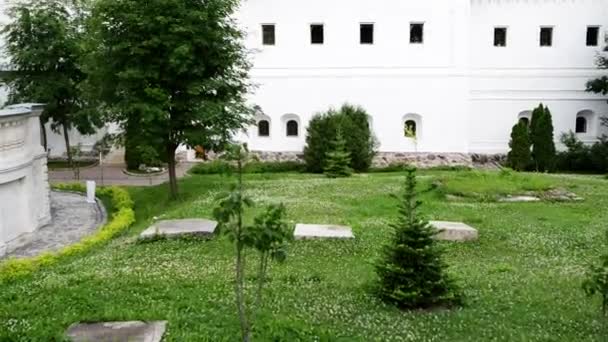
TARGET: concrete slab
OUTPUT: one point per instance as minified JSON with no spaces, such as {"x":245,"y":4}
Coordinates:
{"x":134,"y":331}
{"x":513,"y":199}
{"x":318,"y":231}
{"x":180,"y":228}
{"x":455,"y":231}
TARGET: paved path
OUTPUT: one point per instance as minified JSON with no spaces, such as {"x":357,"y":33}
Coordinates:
{"x":114,"y":175}
{"x":73,"y":219}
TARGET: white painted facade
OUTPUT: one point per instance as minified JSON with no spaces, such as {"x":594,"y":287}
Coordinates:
{"x":24,"y":188}
{"x":464,"y":93}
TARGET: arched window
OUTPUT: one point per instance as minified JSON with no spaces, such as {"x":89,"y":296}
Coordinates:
{"x":581,"y":125}
{"x":292,"y":128}
{"x":263,"y":128}
{"x":525,"y":120}
{"x":409,"y":129}
{"x":525,"y":116}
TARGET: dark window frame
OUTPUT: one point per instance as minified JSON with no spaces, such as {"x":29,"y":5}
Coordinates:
{"x":414,"y":39}
{"x":317,"y":34}
{"x":264,"y":128}
{"x":410,"y":123}
{"x":269,"y":38}
{"x":582,"y":125}
{"x":546,"y":36}
{"x":366,"y":33}
{"x":594,"y":39}
{"x":289,"y":128}
{"x":500,"y":39}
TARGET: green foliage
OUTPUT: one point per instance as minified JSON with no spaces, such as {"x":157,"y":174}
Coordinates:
{"x":354,"y":124}
{"x":583,"y":158}
{"x":268,"y":235}
{"x":412,"y":272}
{"x":541,"y":136}
{"x":600,"y":84}
{"x":123,"y":218}
{"x":175,"y":70}
{"x":337,"y":160}
{"x":224,"y":167}
{"x":520,"y":157}
{"x":44,"y":45}
{"x":597,"y":281}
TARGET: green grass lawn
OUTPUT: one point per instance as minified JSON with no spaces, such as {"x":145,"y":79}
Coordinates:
{"x":521,"y":280}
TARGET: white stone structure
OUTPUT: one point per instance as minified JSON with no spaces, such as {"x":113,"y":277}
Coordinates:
{"x":462,"y":71}
{"x":24,"y":188}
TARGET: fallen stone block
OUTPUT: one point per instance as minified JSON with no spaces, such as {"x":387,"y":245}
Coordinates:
{"x":180,"y":228}
{"x":317,"y":231}
{"x":454,"y":231}
{"x":134,"y":331}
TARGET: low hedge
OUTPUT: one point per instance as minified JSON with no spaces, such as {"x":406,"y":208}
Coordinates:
{"x":222,"y":166}
{"x":123,"y":218}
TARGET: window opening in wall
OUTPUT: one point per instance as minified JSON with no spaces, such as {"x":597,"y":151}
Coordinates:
{"x":367,"y":33}
{"x":593,"y":35}
{"x":317,"y":34}
{"x":581,"y":125}
{"x":268,"y":34}
{"x":546,"y":36}
{"x":409,"y":129}
{"x":416,"y":33}
{"x":264,"y":128}
{"x":500,"y":36}
{"x":292,"y":128}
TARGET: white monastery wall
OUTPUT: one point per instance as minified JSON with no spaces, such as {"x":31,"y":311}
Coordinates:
{"x":24,"y":188}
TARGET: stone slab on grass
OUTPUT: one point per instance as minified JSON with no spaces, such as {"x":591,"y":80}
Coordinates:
{"x":319,"y":231}
{"x":180,"y":228}
{"x":134,"y":331}
{"x":515,"y":199}
{"x":455,"y":231}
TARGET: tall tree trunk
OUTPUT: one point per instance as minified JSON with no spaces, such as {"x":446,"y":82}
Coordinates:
{"x":43,"y":136}
{"x":66,"y":137}
{"x":171,"y":147}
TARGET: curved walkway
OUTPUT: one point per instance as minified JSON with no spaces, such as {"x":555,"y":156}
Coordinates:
{"x":73,"y":219}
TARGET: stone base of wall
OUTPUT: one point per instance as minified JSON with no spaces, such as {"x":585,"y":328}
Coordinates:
{"x":278,"y":156}
{"x":422,"y":160}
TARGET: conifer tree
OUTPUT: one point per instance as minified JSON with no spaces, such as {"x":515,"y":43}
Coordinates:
{"x":338,"y":159}
{"x":412,"y":272}
{"x":520,"y":156}
{"x":543,"y":145}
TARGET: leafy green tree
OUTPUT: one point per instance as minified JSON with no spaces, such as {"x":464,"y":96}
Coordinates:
{"x":44,"y":45}
{"x":268,"y":235}
{"x":520,"y":157}
{"x":353,"y":121}
{"x":597,"y":281}
{"x":541,"y":136}
{"x":411,"y":271}
{"x":337,"y":160}
{"x":177,"y":70}
{"x":600,"y":85}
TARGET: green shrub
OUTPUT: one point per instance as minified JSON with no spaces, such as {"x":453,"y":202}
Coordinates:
{"x":519,"y":157}
{"x":225,"y":167}
{"x":123,"y":218}
{"x":597,"y":281}
{"x":541,"y":136}
{"x":582,"y":158}
{"x":322,"y":130}
{"x":337,"y":160}
{"x":411,"y":271}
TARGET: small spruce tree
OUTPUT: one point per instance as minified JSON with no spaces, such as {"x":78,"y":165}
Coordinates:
{"x":519,"y":157}
{"x":337,"y":160}
{"x":412,"y":272}
{"x":541,"y":135}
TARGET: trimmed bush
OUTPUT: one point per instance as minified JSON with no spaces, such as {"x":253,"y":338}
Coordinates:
{"x":337,"y":160}
{"x":519,"y":157}
{"x":224,"y":167}
{"x":123,"y":218}
{"x":541,"y":136}
{"x":322,"y":131}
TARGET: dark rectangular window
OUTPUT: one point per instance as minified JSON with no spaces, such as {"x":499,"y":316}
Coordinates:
{"x":546,"y":36}
{"x":500,"y":36}
{"x":268,"y":36}
{"x":367,"y":33}
{"x":316,"y":34}
{"x":593,"y":35}
{"x":417,"y":33}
